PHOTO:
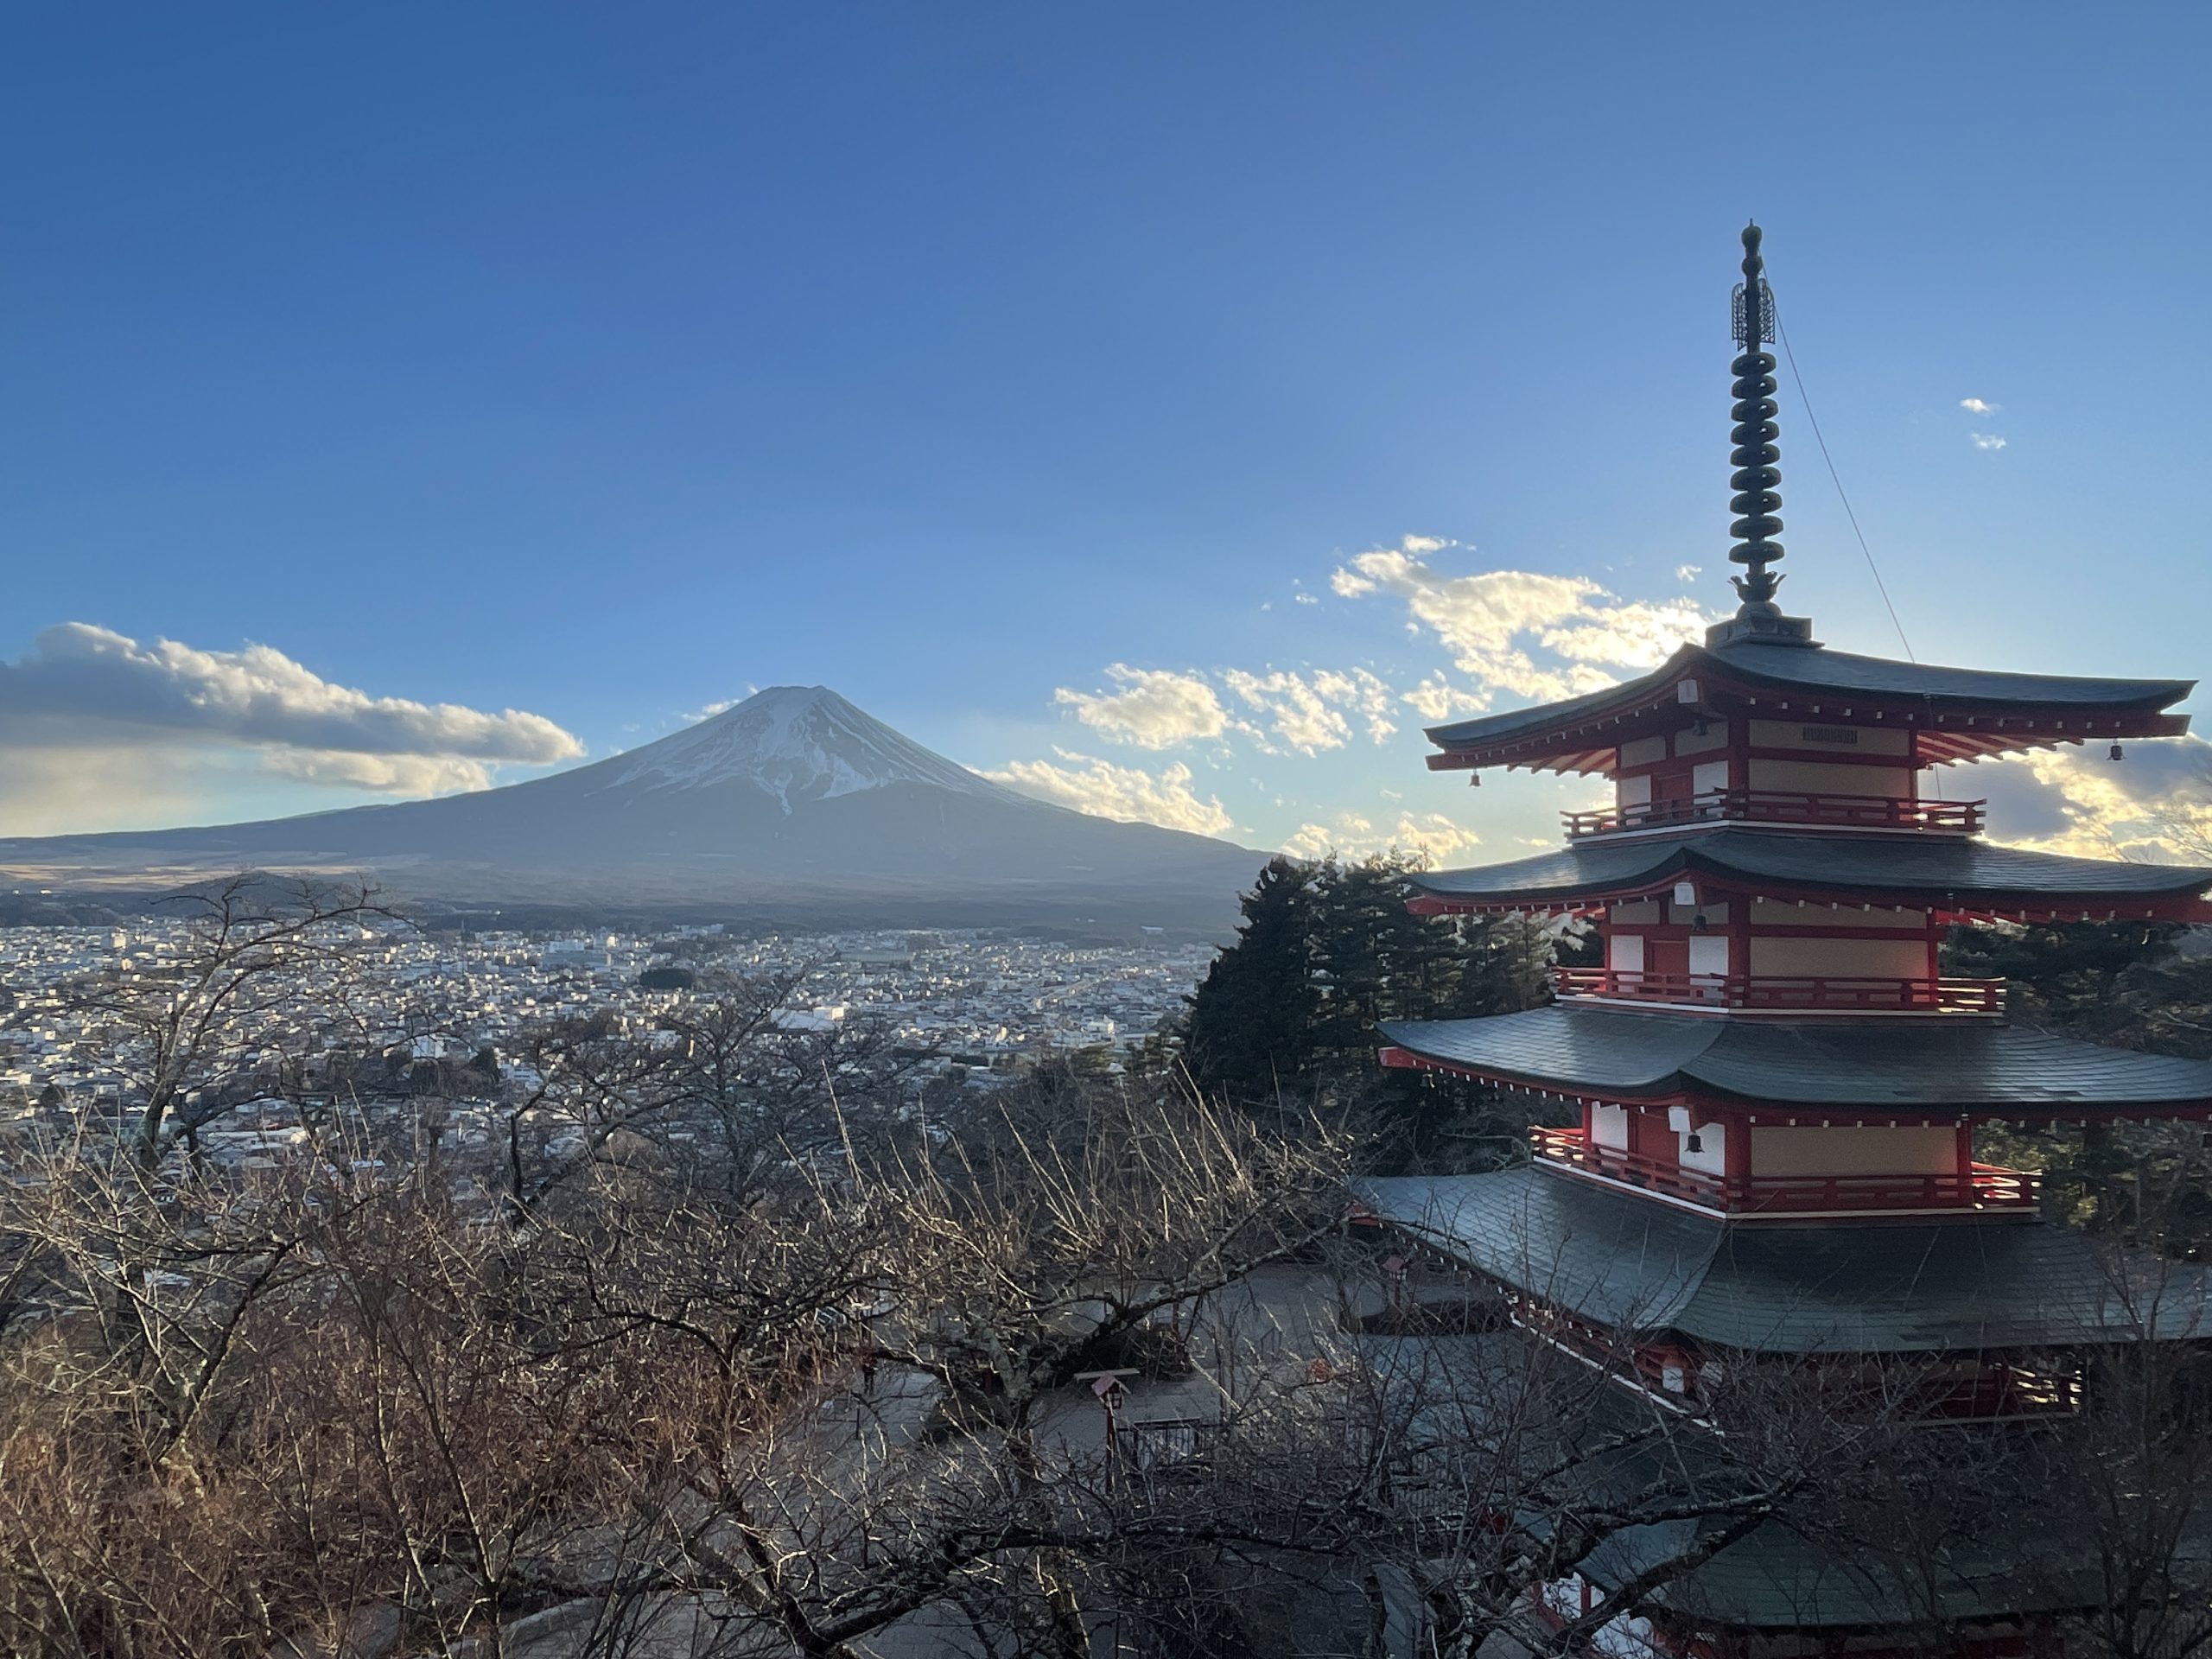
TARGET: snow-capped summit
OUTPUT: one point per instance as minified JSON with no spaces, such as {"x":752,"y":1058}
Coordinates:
{"x":795,"y":742}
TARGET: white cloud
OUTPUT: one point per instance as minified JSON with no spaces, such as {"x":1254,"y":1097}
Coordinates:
{"x":2154,"y":805}
{"x":1296,"y":712}
{"x":79,"y":680}
{"x":1976,"y":406}
{"x":1307,"y":711}
{"x":1306,"y":598}
{"x":387,"y":774}
{"x":109,"y":703}
{"x":1490,"y":620}
{"x":1987,"y":441}
{"x":1106,"y":790}
{"x":1436,"y":698}
{"x":1319,"y":840}
{"x":1153,"y":708}
{"x":1689,"y":572}
{"x":1352,"y":583}
{"x":1363,"y":694}
{"x":1430,"y":836}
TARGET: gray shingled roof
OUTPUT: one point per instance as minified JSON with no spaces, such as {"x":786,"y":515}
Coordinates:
{"x":1893,"y":1065}
{"x":1778,"y":1578}
{"x":1545,"y":716}
{"x":1628,"y":1262}
{"x":1775,"y":1577}
{"x":1950,"y":868}
{"x":1816,"y":668}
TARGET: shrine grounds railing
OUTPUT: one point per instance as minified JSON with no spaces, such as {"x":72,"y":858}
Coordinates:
{"x":1984,"y":1186}
{"x":1782,"y":993}
{"x":1783,"y":806}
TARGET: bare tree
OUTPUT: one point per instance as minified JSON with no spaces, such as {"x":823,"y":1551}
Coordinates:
{"x":189,"y":1026}
{"x":752,"y":1358}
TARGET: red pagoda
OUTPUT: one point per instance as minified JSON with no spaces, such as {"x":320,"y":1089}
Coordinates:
{"x":1777,"y":1085}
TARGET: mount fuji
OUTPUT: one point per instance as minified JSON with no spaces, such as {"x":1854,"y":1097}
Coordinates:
{"x":791,"y":806}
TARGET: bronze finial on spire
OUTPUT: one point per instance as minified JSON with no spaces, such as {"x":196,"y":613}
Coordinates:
{"x":1757,"y":476}
{"x":1756,"y":479}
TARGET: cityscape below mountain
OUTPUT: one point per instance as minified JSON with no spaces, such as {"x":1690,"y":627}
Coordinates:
{"x":792,"y":806}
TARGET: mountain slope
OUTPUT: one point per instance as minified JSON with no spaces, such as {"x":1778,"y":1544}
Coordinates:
{"x":789,"y":801}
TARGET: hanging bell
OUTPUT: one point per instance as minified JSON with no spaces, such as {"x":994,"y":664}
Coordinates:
{"x":1693,"y":1142}
{"x":2116,"y":753}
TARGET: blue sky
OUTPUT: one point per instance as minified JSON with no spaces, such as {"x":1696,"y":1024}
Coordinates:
{"x":565,"y":370}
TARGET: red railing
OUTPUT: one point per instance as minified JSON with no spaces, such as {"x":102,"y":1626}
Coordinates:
{"x":1785,"y":992}
{"x":1783,"y":806}
{"x":1985,"y":1186}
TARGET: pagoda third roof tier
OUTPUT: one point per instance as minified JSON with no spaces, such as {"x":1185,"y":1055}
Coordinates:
{"x":1622,"y":1262}
{"x":1961,"y":712}
{"x":1877,"y":1070}
{"x":1948,"y":874}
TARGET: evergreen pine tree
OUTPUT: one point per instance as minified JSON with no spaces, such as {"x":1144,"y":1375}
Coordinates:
{"x":1329,"y":952}
{"x":1253,"y":1017}
{"x":1356,"y":908}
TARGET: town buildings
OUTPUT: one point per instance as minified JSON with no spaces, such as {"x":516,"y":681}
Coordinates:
{"x":975,"y":1002}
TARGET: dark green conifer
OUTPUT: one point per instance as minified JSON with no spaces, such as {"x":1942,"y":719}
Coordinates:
{"x":1253,"y":1016}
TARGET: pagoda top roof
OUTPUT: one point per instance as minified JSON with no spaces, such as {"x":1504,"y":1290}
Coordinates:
{"x":1620,"y":1260}
{"x":1893,"y":1068}
{"x":1953,"y":873}
{"x":1922,"y":695}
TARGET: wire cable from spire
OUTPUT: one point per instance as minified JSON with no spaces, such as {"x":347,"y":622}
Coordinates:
{"x":1874,"y":568}
{"x":1844,"y":496}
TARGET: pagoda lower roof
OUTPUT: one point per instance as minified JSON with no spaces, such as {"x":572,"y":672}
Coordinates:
{"x":1969,"y":707}
{"x":1778,"y":1578}
{"x":1947,"y":871}
{"x":2011,"y":1560}
{"x":1618,"y":1260}
{"x":1912,"y":1067}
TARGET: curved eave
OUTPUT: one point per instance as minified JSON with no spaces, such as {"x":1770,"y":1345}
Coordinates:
{"x":1676,"y":1090}
{"x":1879,"y":1071}
{"x":1946,"y":905}
{"x":1954,"y":879}
{"x":1582,"y":734}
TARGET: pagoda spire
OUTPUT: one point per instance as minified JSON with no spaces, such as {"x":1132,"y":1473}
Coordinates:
{"x":1758,"y":477}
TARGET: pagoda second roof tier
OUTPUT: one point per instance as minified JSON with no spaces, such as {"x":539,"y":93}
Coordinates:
{"x":1879,"y":1070}
{"x":1948,"y":873}
{"x":1620,"y":1260}
{"x":1960,"y":713}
